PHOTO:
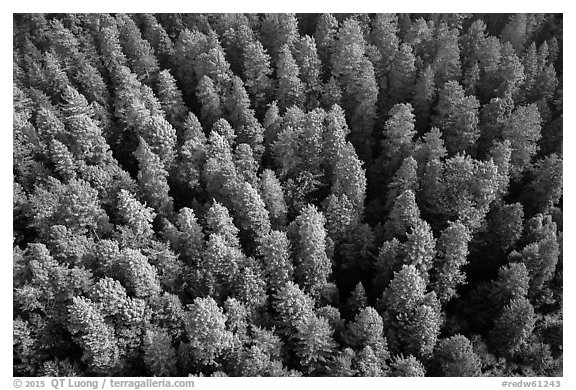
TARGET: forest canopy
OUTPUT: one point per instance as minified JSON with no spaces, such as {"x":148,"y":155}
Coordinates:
{"x":287,"y":195}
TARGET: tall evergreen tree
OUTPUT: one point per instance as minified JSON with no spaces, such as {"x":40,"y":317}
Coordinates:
{"x":513,"y":327}
{"x":140,"y":54}
{"x":457,"y":117}
{"x":424,"y":96}
{"x":306,"y":57}
{"x":205,"y":325}
{"x":272,"y":194}
{"x":278,"y":30}
{"x":452,"y":250}
{"x":411,"y":317}
{"x":171,"y":99}
{"x":523,"y":130}
{"x":446,"y":63}
{"x":99,"y":346}
{"x":274,"y":250}
{"x":250,"y":212}
{"x":402,"y":76}
{"x":290,"y":89}
{"x":325,"y":34}
{"x":312,"y":266}
{"x":257,"y":71}
{"x":152,"y":178}
{"x":456,"y":357}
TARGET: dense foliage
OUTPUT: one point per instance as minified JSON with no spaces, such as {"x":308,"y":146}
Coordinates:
{"x":287,"y":195}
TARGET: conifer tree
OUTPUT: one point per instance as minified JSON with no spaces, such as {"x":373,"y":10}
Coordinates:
{"x":250,"y":286}
{"x":278,"y":30}
{"x":138,"y":50}
{"x":293,"y":306}
{"x":56,"y":79}
{"x":357,"y":300}
{"x":192,"y":154}
{"x":505,"y":224}
{"x":457,"y":117}
{"x":398,"y":134}
{"x":272,"y":124}
{"x":446,"y":63}
{"x":530,"y":63}
{"x":290,"y":89}
{"x":407,"y":367}
{"x":545,"y":188}
{"x":402,"y":76}
{"x":63,"y":160}
{"x":350,"y":177}
{"x":355,"y":74}
{"x":341,"y":216}
{"x":472,"y":40}
{"x":471,"y":78}
{"x":219,"y":221}
{"x":513,"y":327}
{"x":205,"y":325}
{"x":158,"y":343}
{"x":325,"y":34}
{"x":368,"y":364}
{"x":162,"y":139}
{"x":242,"y":117}
{"x":306,"y":57}
{"x":424,"y":96}
{"x":522,"y":129}
{"x":516,"y":32}
{"x":190,"y":240}
{"x":223,"y":128}
{"x":152,"y":178}
{"x":96,"y":337}
{"x":456,"y":357}
{"x":154,"y":32}
{"x":74,"y":205}
{"x":257,"y":71}
{"x":187,"y":47}
{"x":404,"y":215}
{"x":246,"y":166}
{"x":274,"y":251}
{"x":367,"y":331}
{"x":250,"y":212}
{"x":137,"y":216}
{"x":272,"y":194}
{"x":331,"y":93}
{"x":364,"y":91}
{"x":171,"y":99}
{"x":419,"y":34}
{"x":419,"y":248}
{"x":512,"y":283}
{"x":211,"y":62}
{"x":139,"y":276}
{"x":541,"y":258}
{"x":210,"y":102}
{"x":389,"y":260}
{"x":384,"y":35}
{"x":334,"y":137}
{"x":219,"y":170}
{"x":314,"y":343}
{"x":405,"y":178}
{"x":452,"y":252}
{"x":493,"y":117}
{"x":469,"y":188}
{"x":412,"y":318}
{"x":312,"y":266}
{"x":220,"y":266}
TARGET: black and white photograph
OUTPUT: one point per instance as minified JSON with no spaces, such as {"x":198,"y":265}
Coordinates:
{"x":287,"y":195}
